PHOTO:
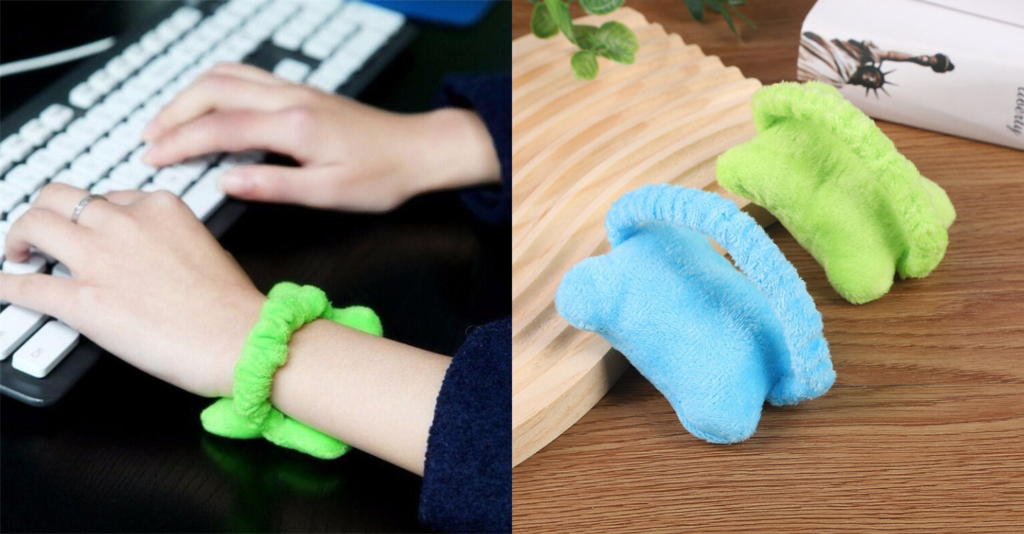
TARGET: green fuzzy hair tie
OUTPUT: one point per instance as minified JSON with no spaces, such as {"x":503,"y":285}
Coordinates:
{"x":249,"y":414}
{"x":837,"y":183}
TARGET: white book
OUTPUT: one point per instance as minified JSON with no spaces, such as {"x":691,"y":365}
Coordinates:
{"x":952,"y":66}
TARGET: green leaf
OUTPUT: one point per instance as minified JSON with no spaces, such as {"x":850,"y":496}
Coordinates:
{"x":584,"y":65}
{"x":560,"y":15}
{"x":745,"y":19}
{"x":541,"y":23}
{"x":728,"y":20}
{"x":616,"y":42}
{"x":696,"y":8}
{"x":600,"y":7}
{"x":585,"y":36}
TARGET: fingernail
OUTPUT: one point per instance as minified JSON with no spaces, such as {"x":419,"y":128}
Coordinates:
{"x":232,"y":182}
{"x":147,"y":157}
{"x":151,"y":132}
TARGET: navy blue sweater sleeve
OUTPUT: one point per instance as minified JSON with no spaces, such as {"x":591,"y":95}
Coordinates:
{"x":467,"y":478}
{"x":491,"y":97}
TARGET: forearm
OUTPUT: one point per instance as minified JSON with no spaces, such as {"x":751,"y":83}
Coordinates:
{"x":376,"y":394}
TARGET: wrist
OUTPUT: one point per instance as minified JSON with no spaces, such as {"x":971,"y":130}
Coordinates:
{"x":245,"y":311}
{"x":452,"y":149}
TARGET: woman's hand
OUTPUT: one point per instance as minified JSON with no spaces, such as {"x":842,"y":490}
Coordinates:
{"x":352,"y":156}
{"x":153,"y":287}
{"x":150,"y":283}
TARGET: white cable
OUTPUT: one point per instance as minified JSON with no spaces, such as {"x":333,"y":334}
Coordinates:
{"x":57,"y":58}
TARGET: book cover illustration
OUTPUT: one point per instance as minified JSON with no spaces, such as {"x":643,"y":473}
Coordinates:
{"x":853,"y":62}
{"x":950,"y":66}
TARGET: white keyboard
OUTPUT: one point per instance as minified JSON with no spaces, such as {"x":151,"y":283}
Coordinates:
{"x":92,"y":140}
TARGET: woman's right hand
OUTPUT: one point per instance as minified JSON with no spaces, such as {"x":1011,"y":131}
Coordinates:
{"x":352,"y":156}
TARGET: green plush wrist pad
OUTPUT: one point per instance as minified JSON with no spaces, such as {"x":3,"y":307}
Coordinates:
{"x":838,"y":184}
{"x":249,"y":414}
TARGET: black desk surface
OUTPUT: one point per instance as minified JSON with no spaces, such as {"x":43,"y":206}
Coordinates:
{"x":124,"y":452}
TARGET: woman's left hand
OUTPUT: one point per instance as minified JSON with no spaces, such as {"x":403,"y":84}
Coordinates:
{"x":149,"y":283}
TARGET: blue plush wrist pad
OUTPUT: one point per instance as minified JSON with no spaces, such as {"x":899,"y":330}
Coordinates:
{"x":708,"y":337}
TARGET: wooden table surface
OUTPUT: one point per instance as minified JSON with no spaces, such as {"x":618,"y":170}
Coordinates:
{"x":924,"y":428}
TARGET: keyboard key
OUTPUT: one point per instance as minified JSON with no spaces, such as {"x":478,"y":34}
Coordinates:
{"x":44,"y":350}
{"x":10,"y":196}
{"x":90,"y":167}
{"x":104,"y":117}
{"x":204,"y":196}
{"x":153,"y":43}
{"x":172,"y":180}
{"x":168,"y":32}
{"x":291,"y":70}
{"x":364,"y":44}
{"x":65,"y":147}
{"x":83,"y":96}
{"x":185,"y":18}
{"x":34,"y":264}
{"x":85,"y":131}
{"x":61,"y":271}
{"x":128,"y":176}
{"x":324,"y":7}
{"x":247,"y":157}
{"x":26,"y":178}
{"x":289,"y":38}
{"x":35,"y":132}
{"x":226,"y":20}
{"x":6,"y":162}
{"x":18,"y":211}
{"x":105,"y":154}
{"x":378,"y":18}
{"x":329,"y":77}
{"x":56,"y":117}
{"x":134,"y":56}
{"x":101,"y":82}
{"x":72,"y":178}
{"x":116,"y":107}
{"x":193,"y":168}
{"x":118,"y":69}
{"x":320,"y":46}
{"x":15,"y":147}
{"x":46,"y":162}
{"x":105,"y":186}
{"x":16,"y":325}
{"x":123,"y":133}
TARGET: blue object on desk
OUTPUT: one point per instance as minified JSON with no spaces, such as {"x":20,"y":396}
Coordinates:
{"x":460,"y":13}
{"x":716,"y":343}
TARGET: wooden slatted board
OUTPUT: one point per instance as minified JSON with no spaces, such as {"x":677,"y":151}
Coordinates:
{"x":578,"y":146}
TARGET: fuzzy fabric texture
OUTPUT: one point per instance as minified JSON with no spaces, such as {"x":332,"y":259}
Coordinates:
{"x":716,"y":343}
{"x":249,"y":414}
{"x":837,"y":183}
{"x":467,"y":475}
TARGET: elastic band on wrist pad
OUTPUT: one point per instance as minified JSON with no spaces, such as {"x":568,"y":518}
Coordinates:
{"x":716,"y":343}
{"x":838,"y":184}
{"x":248,"y":413}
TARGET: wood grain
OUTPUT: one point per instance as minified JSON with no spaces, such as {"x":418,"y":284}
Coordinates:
{"x":577,"y":147}
{"x":924,"y":429}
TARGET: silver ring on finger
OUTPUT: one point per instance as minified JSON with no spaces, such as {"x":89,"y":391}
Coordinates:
{"x":81,"y":206}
